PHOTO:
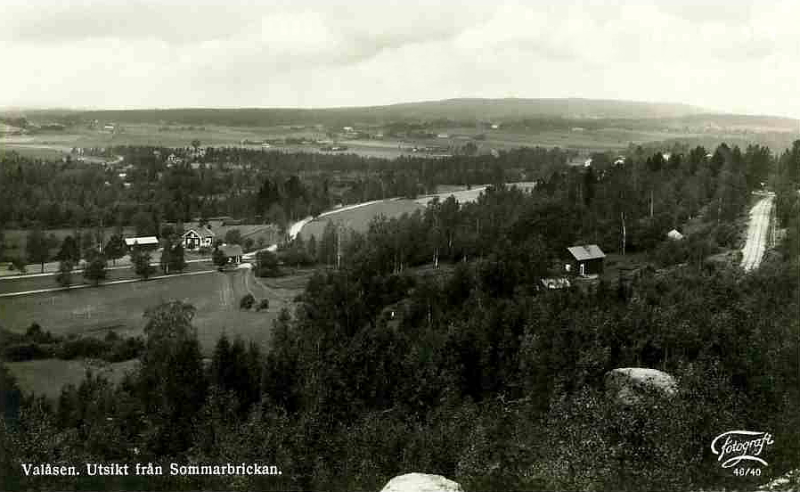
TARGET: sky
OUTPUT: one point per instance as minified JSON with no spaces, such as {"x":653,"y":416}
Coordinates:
{"x":738,"y":56}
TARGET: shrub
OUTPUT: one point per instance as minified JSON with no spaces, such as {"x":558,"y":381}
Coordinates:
{"x":35,"y":334}
{"x":233,"y":236}
{"x":263,"y":305}
{"x":27,"y":351}
{"x":267,"y":264}
{"x":85,"y":347}
{"x":247,"y":301}
{"x":671,"y":253}
{"x":17,"y":264}
{"x":124,"y":349}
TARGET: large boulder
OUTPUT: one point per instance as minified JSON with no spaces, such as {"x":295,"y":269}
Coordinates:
{"x":421,"y":482}
{"x":627,"y":385}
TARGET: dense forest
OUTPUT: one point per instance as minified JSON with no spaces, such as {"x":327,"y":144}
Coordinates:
{"x":248,"y":184}
{"x":626,"y":205}
{"x":154,"y":186}
{"x":470,"y":370}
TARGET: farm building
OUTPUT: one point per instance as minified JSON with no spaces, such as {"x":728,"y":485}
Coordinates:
{"x":233,"y":252}
{"x":144,"y":242}
{"x":586,"y":260}
{"x":674,"y":235}
{"x":201,"y":237}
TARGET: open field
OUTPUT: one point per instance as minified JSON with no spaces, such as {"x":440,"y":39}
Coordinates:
{"x":461,"y":196}
{"x":16,"y":239}
{"x":358,"y":219}
{"x":615,"y":136}
{"x":36,"y":282}
{"x":94,"y":311}
{"x":46,"y":377}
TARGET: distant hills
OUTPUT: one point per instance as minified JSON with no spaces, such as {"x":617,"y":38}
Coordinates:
{"x":516,"y":108}
{"x":461,"y":110}
{"x":591,"y":113}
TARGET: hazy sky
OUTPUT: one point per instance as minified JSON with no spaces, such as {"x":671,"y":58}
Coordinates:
{"x":730,"y":55}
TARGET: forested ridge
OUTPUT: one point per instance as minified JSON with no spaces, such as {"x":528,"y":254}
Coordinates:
{"x":471,"y":370}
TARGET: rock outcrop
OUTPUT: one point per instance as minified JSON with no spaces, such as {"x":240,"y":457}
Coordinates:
{"x":421,"y":482}
{"x":627,"y":385}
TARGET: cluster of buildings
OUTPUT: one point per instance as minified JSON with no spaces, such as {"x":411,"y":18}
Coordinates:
{"x":192,"y":240}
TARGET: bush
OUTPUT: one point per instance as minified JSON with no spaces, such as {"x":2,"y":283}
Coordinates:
{"x":267,"y":264}
{"x":81,"y":348}
{"x":35,"y":334}
{"x":248,"y":244}
{"x":17,"y":264}
{"x":27,"y":351}
{"x":263,"y":305}
{"x":247,"y":301}
{"x":124,"y":349}
{"x":233,"y":236}
{"x":671,"y":253}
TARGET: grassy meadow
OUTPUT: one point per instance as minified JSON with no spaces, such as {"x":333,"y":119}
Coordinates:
{"x":358,"y":219}
{"x":95,"y":311}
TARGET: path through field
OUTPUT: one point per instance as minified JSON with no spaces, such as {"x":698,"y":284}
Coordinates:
{"x":757,"y":232}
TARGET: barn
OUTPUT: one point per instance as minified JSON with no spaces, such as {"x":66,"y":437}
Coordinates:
{"x":586,"y":260}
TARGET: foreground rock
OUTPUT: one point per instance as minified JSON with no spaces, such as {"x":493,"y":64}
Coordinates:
{"x":627,"y":385}
{"x":421,"y":482}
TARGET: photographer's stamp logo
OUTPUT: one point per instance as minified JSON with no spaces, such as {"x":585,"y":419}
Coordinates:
{"x":734,"y":447}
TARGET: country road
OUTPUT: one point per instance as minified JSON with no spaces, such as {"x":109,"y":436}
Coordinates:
{"x":757,"y":233}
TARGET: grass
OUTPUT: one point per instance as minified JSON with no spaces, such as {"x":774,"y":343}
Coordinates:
{"x":47,"y":376}
{"x":16,"y":239}
{"x":123,"y":272}
{"x":94,"y":311}
{"x":358,"y":219}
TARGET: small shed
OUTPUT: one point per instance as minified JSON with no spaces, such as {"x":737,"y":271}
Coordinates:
{"x":674,"y":235}
{"x":233,"y":252}
{"x":586,"y":259}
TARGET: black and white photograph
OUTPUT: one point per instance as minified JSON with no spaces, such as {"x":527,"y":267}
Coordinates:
{"x":400,"y":246}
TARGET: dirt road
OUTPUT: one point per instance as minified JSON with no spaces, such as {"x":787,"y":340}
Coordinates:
{"x":757,"y":233}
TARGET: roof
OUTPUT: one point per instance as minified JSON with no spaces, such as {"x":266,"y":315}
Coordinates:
{"x":141,"y":241}
{"x":203,"y":232}
{"x":231,"y":250}
{"x":586,"y":252}
{"x":674,"y":234}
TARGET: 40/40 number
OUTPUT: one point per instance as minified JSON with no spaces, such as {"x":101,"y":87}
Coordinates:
{"x":744,"y":472}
